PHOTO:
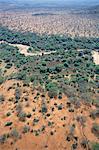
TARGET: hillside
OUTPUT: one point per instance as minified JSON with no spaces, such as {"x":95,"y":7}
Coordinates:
{"x":48,"y":100}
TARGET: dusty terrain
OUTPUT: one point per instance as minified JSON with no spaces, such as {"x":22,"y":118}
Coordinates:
{"x":61,"y":22}
{"x":96,"y":57}
{"x":51,"y":129}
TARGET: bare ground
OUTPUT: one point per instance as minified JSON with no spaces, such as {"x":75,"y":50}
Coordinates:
{"x":60,"y":127}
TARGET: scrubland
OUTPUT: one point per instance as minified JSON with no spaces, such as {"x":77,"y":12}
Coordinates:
{"x":48,"y":100}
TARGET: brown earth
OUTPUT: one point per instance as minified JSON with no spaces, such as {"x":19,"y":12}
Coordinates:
{"x":54,"y":136}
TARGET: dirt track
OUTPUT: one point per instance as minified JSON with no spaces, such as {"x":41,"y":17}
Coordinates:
{"x":23,"y":50}
{"x":96,"y":57}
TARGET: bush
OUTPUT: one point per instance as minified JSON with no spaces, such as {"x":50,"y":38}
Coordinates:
{"x":81,"y":119}
{"x":52,"y":89}
{"x":29,"y":115}
{"x":95,"y":130}
{"x":95,"y":146}
{"x":18,"y":109}
{"x":8,"y":66}
{"x":14,"y":134}
{"x":8,"y":114}
{"x":1,"y":80}
{"x":3,"y":138}
{"x":58,"y":68}
{"x":1,"y":98}
{"x":22,"y":116}
{"x":97,"y":69}
{"x":60,"y":107}
{"x":52,"y":93}
{"x":94,"y":114}
{"x":26,"y":129}
{"x":17,"y":94}
{"x":8,"y":123}
{"x":44,"y":109}
{"x":60,"y":96}
{"x":84,"y":143}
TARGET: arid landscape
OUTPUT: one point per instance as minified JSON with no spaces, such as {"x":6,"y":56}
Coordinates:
{"x":49,"y":76}
{"x":59,"y":22}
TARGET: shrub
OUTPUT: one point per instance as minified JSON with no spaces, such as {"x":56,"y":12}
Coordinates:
{"x":60,"y":96}
{"x":97,"y":69}
{"x":94,"y":114}
{"x":81,"y":119}
{"x":22,"y":116}
{"x":52,"y":89}
{"x":58,"y":68}
{"x":1,"y":98}
{"x":30,"y":49}
{"x":8,"y":114}
{"x":44,"y":109}
{"x":84,"y":143}
{"x":66,"y":64}
{"x":52,"y":93}
{"x":60,"y":107}
{"x":14,"y":134}
{"x":95,"y":146}
{"x":26,"y":129}
{"x":29,"y":115}
{"x":17,"y":94}
{"x":3,"y":138}
{"x":1,"y":80}
{"x":95,"y":130}
{"x":9,"y":123}
{"x":8,"y":66}
{"x":18,"y":109}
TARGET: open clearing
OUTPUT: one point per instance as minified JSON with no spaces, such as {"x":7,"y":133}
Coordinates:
{"x":23,"y":50}
{"x":96,"y":57}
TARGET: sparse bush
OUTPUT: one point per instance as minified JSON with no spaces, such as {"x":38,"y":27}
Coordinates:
{"x":95,"y":146}
{"x":8,"y":114}
{"x":95,"y":130}
{"x":1,"y":98}
{"x":17,"y":94}
{"x":35,"y":121}
{"x":60,"y":96}
{"x":84,"y":143}
{"x":94,"y":114}
{"x":1,"y":80}
{"x":8,"y":66}
{"x":18,"y":109}
{"x":9,"y":123}
{"x":22,"y":116}
{"x":29,"y":115}
{"x":3,"y":138}
{"x":14,"y":134}
{"x":81,"y":119}
{"x":26,"y":129}
{"x":60,"y":107}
